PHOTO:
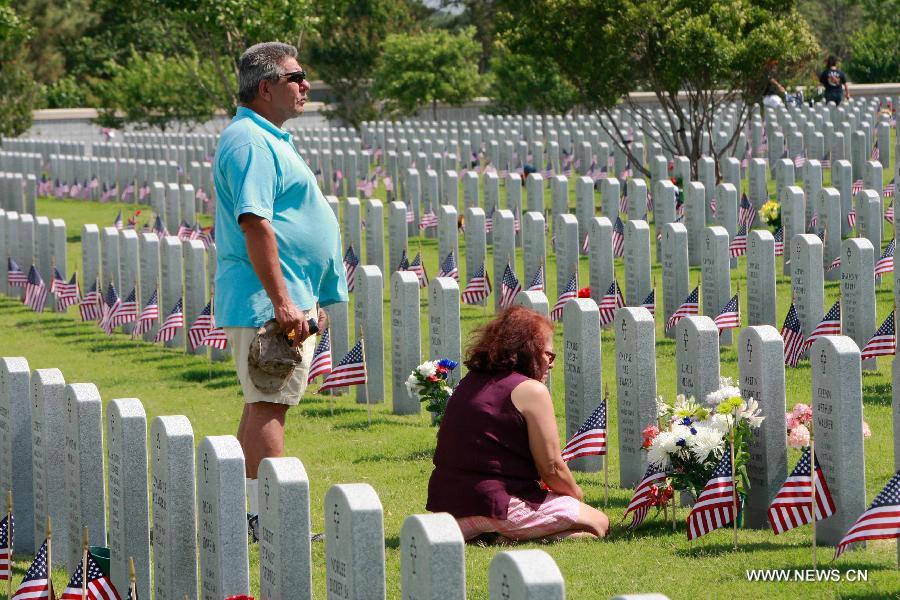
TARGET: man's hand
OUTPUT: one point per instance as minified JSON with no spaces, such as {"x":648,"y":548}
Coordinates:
{"x":323,"y":320}
{"x":293,"y":323}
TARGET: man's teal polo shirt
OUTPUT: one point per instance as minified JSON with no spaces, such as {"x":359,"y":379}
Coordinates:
{"x":258,"y":170}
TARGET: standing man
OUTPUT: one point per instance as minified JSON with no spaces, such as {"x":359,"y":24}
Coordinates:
{"x":834,"y":81}
{"x":278,"y":242}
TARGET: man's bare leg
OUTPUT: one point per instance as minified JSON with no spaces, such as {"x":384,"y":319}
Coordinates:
{"x":261,"y":433}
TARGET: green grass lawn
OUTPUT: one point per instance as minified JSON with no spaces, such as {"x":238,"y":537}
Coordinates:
{"x":393,"y":454}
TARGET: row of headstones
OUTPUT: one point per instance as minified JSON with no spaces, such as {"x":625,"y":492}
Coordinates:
{"x":205,"y":140}
{"x":128,"y":259}
{"x":44,"y":147}
{"x":181,"y":155}
{"x":31,"y":240}
{"x":51,"y":449}
{"x":18,"y":191}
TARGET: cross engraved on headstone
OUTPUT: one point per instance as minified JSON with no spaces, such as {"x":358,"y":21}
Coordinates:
{"x":69,"y":409}
{"x":412,"y":552}
{"x":623,"y":329}
{"x":205,"y":467}
{"x":848,"y":251}
{"x":266,"y":492}
{"x":504,"y":588}
{"x":336,"y":517}
{"x":685,"y":337}
{"x":823,"y":359}
{"x":749,"y":351}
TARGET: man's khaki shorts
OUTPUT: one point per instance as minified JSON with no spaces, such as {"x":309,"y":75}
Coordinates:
{"x":240,"y":339}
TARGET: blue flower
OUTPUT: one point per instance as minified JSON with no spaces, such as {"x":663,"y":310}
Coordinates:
{"x":693,"y":431}
{"x":686,"y":421}
{"x":446,"y":362}
{"x":681,"y":443}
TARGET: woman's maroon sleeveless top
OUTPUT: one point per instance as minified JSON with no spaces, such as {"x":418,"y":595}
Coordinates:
{"x":482,"y":455}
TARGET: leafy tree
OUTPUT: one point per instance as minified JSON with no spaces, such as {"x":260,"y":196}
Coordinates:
{"x":696,"y":56}
{"x":345,"y":49}
{"x":17,"y":89}
{"x":152,"y":90}
{"x":58,"y":25}
{"x":874,"y":54}
{"x":833,"y":22}
{"x":480,"y":14}
{"x":522,"y":83}
{"x":64,"y":93}
{"x":430,"y":67}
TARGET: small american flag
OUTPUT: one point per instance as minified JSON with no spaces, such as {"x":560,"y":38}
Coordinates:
{"x":568,"y":292}
{"x":215,"y":337}
{"x":109,"y":307}
{"x":37,"y":584}
{"x":89,"y":305}
{"x":35,"y":291}
{"x":884,"y":342}
{"x":690,"y":306}
{"x":881,"y":521}
{"x":746,"y":214}
{"x":590,"y":439}
{"x":829,"y":325}
{"x":449,"y":267}
{"x":159,"y":228}
{"x":885,"y":264}
{"x":489,"y":222}
{"x":851,"y":218}
{"x":779,"y":242}
{"x":428,"y":220}
{"x":649,"y":205}
{"x":610,"y":303}
{"x":618,"y":238}
{"x":623,"y":204}
{"x":173,"y":322}
{"x":792,"y":336}
{"x":388,"y":184}
{"x":7,"y":528}
{"x":857,"y":186}
{"x":125,"y":312}
{"x":876,"y":153}
{"x":184,"y":231}
{"x":351,"y":261}
{"x":890,"y":188}
{"x":642,"y":499}
{"x":738,"y":246}
{"x":826,"y":161}
{"x":800,"y":159}
{"x":14,"y":275}
{"x":148,"y":316}
{"x":418,"y":267}
{"x":118,"y":221}
{"x":350,"y":371}
{"x":792,"y":505}
{"x":321,"y":360}
{"x":99,"y":586}
{"x":537,"y":282}
{"x":730,"y":315}
{"x":586,"y":244}
{"x":889,"y":213}
{"x":410,"y":216}
{"x":478,"y":288}
{"x":66,"y":292}
{"x":202,"y":326}
{"x":714,"y":507}
{"x":650,"y":302}
{"x":404,"y":262}
{"x":509,"y":287}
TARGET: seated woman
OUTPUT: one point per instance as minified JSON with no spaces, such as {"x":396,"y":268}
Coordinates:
{"x":499,"y":440}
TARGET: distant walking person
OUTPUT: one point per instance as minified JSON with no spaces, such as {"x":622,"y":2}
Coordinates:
{"x":834,"y":81}
{"x":278,"y":242}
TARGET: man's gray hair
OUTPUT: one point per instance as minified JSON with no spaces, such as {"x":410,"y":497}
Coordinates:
{"x":261,"y":62}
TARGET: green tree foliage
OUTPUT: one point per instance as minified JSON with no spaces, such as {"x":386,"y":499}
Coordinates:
{"x":58,"y":25}
{"x":152,"y":90}
{"x":17,"y":89}
{"x":523,"y":83}
{"x":874,"y":50}
{"x":833,"y":22}
{"x":480,"y":14}
{"x":344,"y":50}
{"x":430,"y":67}
{"x":696,"y":56}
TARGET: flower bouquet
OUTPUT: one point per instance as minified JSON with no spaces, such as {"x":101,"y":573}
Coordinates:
{"x":428,"y":381}
{"x":770,"y":213}
{"x":690,"y":439}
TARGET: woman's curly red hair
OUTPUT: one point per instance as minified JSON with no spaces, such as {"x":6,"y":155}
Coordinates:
{"x":512,"y":341}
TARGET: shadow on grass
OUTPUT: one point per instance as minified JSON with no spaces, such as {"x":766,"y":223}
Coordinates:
{"x":392,"y":542}
{"x":202,"y":375}
{"x":700,"y":549}
{"x":412,"y":456}
{"x":363,"y":424}
{"x":877,"y":393}
{"x":326,"y":412}
{"x":656,"y":528}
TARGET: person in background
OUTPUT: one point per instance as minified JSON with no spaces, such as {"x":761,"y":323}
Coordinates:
{"x":498,"y":442}
{"x":834,"y":81}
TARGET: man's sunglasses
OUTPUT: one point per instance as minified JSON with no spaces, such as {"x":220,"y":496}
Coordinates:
{"x":295,"y":76}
